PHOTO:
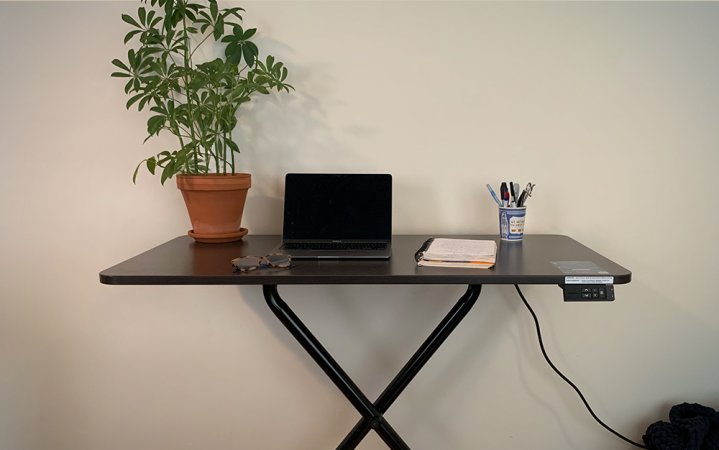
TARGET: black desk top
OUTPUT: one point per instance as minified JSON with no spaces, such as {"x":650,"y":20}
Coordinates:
{"x":181,"y":261}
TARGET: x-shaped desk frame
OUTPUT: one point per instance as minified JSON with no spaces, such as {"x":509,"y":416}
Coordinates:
{"x":372,"y":413}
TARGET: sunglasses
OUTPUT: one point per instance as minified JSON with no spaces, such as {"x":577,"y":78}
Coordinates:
{"x":248,"y":263}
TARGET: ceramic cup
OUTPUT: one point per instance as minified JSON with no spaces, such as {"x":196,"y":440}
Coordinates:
{"x":511,"y":223}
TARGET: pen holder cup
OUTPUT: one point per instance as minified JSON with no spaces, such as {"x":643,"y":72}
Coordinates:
{"x":511,"y":223}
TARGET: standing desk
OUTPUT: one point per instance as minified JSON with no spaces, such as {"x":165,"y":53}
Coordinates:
{"x":181,"y":261}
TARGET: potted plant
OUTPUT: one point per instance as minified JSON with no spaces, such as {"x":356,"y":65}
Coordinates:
{"x":197,"y":99}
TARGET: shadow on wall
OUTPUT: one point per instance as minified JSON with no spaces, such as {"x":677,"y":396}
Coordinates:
{"x":281,"y":133}
{"x":298,"y":132}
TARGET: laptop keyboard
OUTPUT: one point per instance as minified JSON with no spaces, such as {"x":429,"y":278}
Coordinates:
{"x":336,"y":245}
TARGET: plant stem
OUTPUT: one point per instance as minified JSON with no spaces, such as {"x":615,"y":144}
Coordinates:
{"x":228,"y":135}
{"x":188,"y":65}
{"x":198,"y":45}
{"x":176,"y":127}
{"x":216,"y":130}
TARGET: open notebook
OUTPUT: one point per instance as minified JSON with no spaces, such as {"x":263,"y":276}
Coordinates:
{"x":468,"y":253}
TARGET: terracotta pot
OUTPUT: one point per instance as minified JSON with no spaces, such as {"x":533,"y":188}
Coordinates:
{"x":215,"y":203}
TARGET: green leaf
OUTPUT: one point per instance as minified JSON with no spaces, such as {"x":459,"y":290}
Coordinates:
{"x":180,"y":158}
{"x":249,"y":33}
{"x":169,"y":7}
{"x":134,"y":174}
{"x":213,"y":8}
{"x":155,"y":124}
{"x":253,"y":48}
{"x":128,"y":19}
{"x":151,"y":165}
{"x":233,"y":12}
{"x":129,"y":35}
{"x":134,"y":99}
{"x":142,"y":14}
{"x":120,"y":75}
{"x":249,"y":54}
{"x":168,"y":37}
{"x":151,"y":50}
{"x":167,"y":172}
{"x":219,"y":29}
{"x":233,"y":146}
{"x":233,"y":54}
{"x":165,"y":158}
{"x":145,"y":100}
{"x":120,"y":64}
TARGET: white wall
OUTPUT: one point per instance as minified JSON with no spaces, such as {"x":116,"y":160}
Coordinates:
{"x":610,"y":108}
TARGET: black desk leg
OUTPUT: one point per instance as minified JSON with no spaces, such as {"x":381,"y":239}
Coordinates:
{"x":333,"y":370}
{"x":413,"y":366}
{"x":371,"y":413}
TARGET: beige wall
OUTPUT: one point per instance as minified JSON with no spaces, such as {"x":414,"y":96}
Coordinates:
{"x":610,"y":108}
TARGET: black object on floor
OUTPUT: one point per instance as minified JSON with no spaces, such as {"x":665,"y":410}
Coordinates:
{"x":691,"y":426}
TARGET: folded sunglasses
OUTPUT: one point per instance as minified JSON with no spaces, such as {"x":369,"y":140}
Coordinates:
{"x":248,"y":263}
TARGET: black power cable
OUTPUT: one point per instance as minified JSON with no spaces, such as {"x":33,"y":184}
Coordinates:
{"x":569,"y":382}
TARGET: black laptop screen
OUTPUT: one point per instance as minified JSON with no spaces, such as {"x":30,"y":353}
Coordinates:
{"x":338,"y":206}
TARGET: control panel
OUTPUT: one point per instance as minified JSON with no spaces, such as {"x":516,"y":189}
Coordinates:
{"x":588,"y":292}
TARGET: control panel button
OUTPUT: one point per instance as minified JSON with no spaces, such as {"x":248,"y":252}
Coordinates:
{"x":588,"y":292}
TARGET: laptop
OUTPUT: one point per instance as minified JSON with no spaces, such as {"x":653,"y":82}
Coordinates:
{"x":337,"y":216}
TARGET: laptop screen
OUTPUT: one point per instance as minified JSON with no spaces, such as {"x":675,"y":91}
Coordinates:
{"x":338,"y":206}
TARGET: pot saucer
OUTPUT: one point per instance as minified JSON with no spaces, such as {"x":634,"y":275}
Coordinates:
{"x":218,"y":238}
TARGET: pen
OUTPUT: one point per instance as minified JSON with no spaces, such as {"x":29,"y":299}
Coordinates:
{"x":514,"y":196}
{"x":522,"y":198}
{"x":503,"y":192}
{"x":517,"y":191}
{"x":494,"y":194}
{"x":527,"y":193}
